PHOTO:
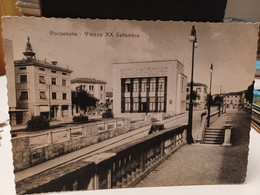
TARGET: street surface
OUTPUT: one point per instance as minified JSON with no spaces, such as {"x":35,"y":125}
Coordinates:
{"x":199,"y":164}
{"x":101,"y":147}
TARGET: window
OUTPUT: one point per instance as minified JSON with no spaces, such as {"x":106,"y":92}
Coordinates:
{"x":53,"y":71}
{"x":152,"y":84}
{"x":23,"y":78}
{"x":144,"y":85}
{"x":91,"y":87}
{"x":135,"y":104}
{"x":43,"y":95}
{"x":152,"y":104}
{"x":127,"y":104}
{"x":64,"y":96}
{"x":53,"y":81}
{"x":187,"y":90}
{"x":23,"y":95}
{"x":127,"y":85}
{"x":182,"y":84}
{"x":41,"y":69}
{"x":64,"y":73}
{"x":136,"y":85}
{"x":64,"y":82}
{"x":101,"y":87}
{"x":22,"y":68}
{"x":42,"y":79}
{"x":54,"y":95}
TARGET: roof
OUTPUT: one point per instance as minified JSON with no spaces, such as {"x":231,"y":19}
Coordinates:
{"x":87,"y":80}
{"x":133,"y":62}
{"x":197,"y":84}
{"x":235,"y":93}
{"x":40,"y":63}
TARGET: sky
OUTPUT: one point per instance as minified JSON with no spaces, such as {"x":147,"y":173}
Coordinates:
{"x":231,"y":48}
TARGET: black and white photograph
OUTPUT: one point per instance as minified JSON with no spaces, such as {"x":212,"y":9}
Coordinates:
{"x":108,"y":104}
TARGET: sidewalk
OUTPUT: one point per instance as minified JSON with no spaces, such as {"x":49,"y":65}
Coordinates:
{"x":90,"y":150}
{"x":206,"y":164}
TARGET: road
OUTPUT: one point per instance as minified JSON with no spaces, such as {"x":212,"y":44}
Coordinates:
{"x":100,"y":147}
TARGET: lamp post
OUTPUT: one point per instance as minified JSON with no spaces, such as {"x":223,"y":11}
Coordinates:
{"x":209,"y":98}
{"x":193,"y":39}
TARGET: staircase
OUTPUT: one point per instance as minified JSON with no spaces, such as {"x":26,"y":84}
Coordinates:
{"x":214,"y":136}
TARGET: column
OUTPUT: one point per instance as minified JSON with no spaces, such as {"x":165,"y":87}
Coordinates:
{"x":59,"y":112}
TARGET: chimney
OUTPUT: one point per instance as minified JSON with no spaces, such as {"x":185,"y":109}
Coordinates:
{"x":54,"y":62}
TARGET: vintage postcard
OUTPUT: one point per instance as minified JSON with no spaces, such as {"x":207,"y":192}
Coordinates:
{"x":107,"y":104}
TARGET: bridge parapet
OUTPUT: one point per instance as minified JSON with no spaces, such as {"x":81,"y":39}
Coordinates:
{"x":228,"y":128}
{"x":123,"y":166}
{"x":60,"y":142}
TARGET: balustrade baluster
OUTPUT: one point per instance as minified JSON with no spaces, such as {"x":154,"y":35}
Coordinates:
{"x":50,"y":140}
{"x":68,"y":133}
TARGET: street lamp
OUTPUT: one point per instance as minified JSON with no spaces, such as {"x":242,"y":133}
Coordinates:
{"x":209,"y":97}
{"x":193,"y":39}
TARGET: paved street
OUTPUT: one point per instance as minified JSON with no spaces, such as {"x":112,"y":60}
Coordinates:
{"x":105,"y":145}
{"x":206,"y":164}
{"x":93,"y":149}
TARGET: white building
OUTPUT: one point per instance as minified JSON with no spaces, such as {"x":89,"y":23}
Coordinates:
{"x":42,"y":88}
{"x":234,"y":99}
{"x":201,"y":99}
{"x":150,"y":86}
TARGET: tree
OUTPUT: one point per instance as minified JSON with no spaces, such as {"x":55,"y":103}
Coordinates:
{"x":249,"y":93}
{"x":218,"y":100}
{"x":83,"y":99}
{"x":193,"y":96}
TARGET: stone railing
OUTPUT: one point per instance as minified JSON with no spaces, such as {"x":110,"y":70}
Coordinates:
{"x":59,"y":142}
{"x":203,"y":126}
{"x":119,"y":167}
{"x":228,"y":128}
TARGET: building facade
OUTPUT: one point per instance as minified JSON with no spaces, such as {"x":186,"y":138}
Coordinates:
{"x":42,"y":88}
{"x":148,"y":87}
{"x":234,"y":99}
{"x":96,"y":88}
{"x":201,"y":91}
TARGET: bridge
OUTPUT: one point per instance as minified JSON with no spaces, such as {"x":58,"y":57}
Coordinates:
{"x":126,"y":160}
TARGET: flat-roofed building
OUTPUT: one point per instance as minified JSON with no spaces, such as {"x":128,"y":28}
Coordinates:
{"x":42,"y":88}
{"x":149,"y":87}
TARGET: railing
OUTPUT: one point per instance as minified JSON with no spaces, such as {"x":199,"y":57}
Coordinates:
{"x":32,"y":150}
{"x":119,"y":167}
{"x":228,"y":128}
{"x":203,"y":125}
{"x":55,"y":136}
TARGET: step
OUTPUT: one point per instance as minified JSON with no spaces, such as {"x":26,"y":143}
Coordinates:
{"x":210,"y":137}
{"x":213,"y":139}
{"x":212,"y":142}
{"x":215,"y":130}
{"x":213,"y":133}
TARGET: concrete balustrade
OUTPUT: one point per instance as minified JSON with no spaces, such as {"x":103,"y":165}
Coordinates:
{"x":119,"y":167}
{"x":67,"y":140}
{"x":228,"y":128}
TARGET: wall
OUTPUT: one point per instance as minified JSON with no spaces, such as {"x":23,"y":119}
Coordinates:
{"x":25,"y":156}
{"x":168,"y":68}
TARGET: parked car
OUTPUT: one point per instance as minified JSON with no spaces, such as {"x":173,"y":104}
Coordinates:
{"x":156,"y":127}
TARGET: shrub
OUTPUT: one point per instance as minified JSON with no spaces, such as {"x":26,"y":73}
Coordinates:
{"x":80,"y":119}
{"x":108,"y":114}
{"x":38,"y":123}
